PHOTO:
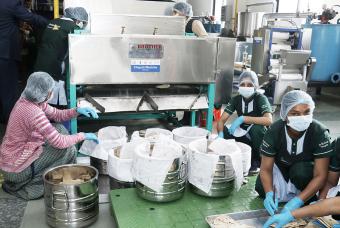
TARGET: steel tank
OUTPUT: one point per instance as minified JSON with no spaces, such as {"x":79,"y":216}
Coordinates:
{"x":325,"y":45}
{"x":71,"y":205}
{"x":248,"y":22}
{"x":223,"y":182}
{"x":173,"y":187}
{"x":100,"y":165}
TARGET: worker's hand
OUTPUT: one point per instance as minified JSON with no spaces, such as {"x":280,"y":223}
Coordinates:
{"x":337,"y":225}
{"x":221,"y":134}
{"x":279,"y":219}
{"x":293,"y":204}
{"x":236,"y":124}
{"x":88,"y":112}
{"x":91,"y":136}
{"x":270,"y":204}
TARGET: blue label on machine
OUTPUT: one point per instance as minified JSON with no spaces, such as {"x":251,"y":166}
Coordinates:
{"x":146,"y":65}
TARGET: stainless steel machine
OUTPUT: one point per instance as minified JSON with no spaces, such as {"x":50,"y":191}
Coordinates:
{"x":176,"y":72}
{"x":292,"y":72}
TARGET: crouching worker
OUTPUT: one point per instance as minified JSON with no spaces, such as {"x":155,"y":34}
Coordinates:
{"x":323,"y":207}
{"x":295,"y":155}
{"x":32,"y":144}
{"x":254,"y":115}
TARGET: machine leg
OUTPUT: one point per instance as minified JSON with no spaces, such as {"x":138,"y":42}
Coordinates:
{"x":73,"y":104}
{"x":192,"y":118}
{"x":211,"y":100}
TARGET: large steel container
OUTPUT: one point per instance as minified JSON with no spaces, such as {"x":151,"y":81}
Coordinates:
{"x":173,"y":187}
{"x":325,"y":47}
{"x":248,"y":22}
{"x":100,"y":165}
{"x":71,"y":204}
{"x":223,"y":182}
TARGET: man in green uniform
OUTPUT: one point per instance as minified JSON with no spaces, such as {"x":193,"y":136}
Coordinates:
{"x":254,"y":115}
{"x":323,"y":207}
{"x":53,"y":50}
{"x":295,"y":155}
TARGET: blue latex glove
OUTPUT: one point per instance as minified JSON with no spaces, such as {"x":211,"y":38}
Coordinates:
{"x":221,"y":134}
{"x":91,"y":136}
{"x":88,"y":112}
{"x":293,"y":204}
{"x":337,"y":225}
{"x":279,"y":219}
{"x":236,"y":124}
{"x":269,"y":203}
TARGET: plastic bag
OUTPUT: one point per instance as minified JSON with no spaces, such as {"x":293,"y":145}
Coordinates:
{"x":186,"y":135}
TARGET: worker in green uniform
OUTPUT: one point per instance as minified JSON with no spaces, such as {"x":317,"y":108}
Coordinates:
{"x":254,"y":115}
{"x":53,"y":50}
{"x":295,"y":155}
{"x":323,"y":207}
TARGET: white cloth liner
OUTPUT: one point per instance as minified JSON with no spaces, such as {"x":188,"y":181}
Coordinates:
{"x":120,"y":167}
{"x":151,"y":171}
{"x":246,"y":156}
{"x":240,"y":132}
{"x":186,"y":135}
{"x":333,"y":191}
{"x":284,"y":191}
{"x":202,"y":165}
{"x":153,"y":134}
{"x":109,"y":138}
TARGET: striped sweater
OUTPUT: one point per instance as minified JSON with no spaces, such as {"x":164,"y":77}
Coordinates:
{"x":28,"y":129}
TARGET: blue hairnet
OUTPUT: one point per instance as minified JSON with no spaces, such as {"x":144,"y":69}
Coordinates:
{"x":251,"y":76}
{"x":183,"y":8}
{"x":39,"y":84}
{"x":77,"y":13}
{"x":293,"y":98}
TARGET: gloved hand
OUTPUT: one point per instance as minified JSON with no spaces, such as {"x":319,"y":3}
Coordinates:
{"x":270,"y":204}
{"x":293,"y":204}
{"x":88,"y":112}
{"x":337,"y":225}
{"x":236,"y":124}
{"x":91,"y":136}
{"x":279,"y":219}
{"x":221,"y":134}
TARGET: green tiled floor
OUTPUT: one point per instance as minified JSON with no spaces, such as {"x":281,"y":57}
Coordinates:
{"x":190,"y":211}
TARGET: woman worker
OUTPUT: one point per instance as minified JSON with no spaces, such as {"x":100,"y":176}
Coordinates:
{"x":326,"y":207}
{"x":254,"y":115}
{"x":192,"y":25}
{"x":32,"y":144}
{"x":53,"y":49}
{"x":295,"y":155}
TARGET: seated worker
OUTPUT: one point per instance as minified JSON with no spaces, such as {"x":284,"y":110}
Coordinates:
{"x":254,"y":115}
{"x":192,"y":25}
{"x":295,"y":155}
{"x":53,"y":49}
{"x":32,"y":144}
{"x":321,"y":208}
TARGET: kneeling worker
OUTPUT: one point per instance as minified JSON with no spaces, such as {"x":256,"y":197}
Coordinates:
{"x":295,"y":155}
{"x":254,"y":115}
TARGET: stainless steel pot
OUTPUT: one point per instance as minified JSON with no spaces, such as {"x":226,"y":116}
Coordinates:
{"x":223,"y":182}
{"x":173,"y":187}
{"x":117,"y":184}
{"x":100,"y":165}
{"x":71,"y":205}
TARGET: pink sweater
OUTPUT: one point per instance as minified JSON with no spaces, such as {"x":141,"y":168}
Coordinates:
{"x":28,"y":129}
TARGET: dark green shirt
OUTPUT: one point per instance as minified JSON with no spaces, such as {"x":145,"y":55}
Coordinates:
{"x":316,"y":144}
{"x":255,"y":106}
{"x":54,"y":47}
{"x":334,"y":165}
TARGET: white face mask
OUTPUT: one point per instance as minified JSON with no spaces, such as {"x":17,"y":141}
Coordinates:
{"x":300,"y":123}
{"x":80,"y":25}
{"x":246,"y":92}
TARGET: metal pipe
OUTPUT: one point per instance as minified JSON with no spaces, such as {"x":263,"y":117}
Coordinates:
{"x":262,"y":4}
{"x":56,"y":8}
{"x":285,"y":16}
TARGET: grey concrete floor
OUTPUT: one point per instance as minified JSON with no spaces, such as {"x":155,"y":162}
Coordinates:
{"x":13,"y":210}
